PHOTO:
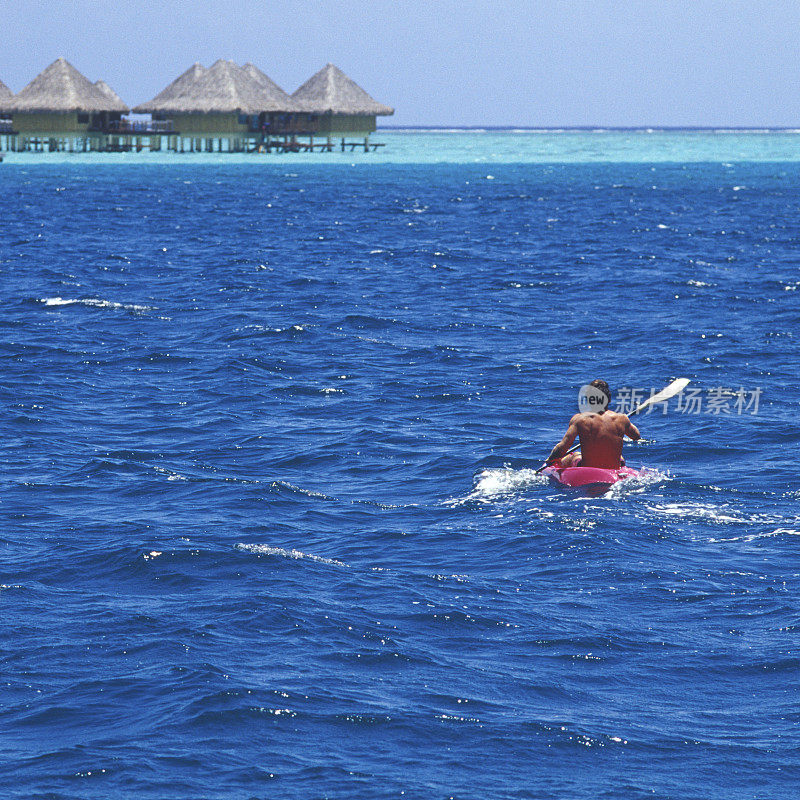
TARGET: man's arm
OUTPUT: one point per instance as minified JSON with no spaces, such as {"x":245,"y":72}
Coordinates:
{"x":631,"y":430}
{"x":569,"y":437}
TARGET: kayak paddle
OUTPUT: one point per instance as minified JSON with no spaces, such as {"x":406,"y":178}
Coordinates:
{"x":678,"y":385}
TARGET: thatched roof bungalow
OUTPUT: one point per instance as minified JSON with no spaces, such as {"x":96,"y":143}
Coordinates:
{"x":280,"y":114}
{"x":61,"y":101}
{"x":339,"y":103}
{"x":223,"y":100}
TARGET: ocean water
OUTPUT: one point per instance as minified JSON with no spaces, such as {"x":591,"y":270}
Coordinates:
{"x":496,"y":146}
{"x":270,"y":521}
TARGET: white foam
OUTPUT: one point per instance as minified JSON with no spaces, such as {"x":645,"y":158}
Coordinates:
{"x":753,"y":537}
{"x":268,"y":329}
{"x":275,"y":712}
{"x":299,"y":490}
{"x":171,"y":476}
{"x":94,"y":302}
{"x":268,"y":550}
{"x":644,"y":479}
{"x":785,"y":532}
{"x":725,"y":515}
{"x":502,"y":481}
{"x":698,"y":511}
{"x":693,"y":282}
{"x":456,"y":718}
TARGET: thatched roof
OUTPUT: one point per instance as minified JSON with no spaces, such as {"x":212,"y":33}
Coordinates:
{"x":6,"y":95}
{"x":108,"y":92}
{"x":61,"y":88}
{"x":275,"y":98}
{"x":226,"y":88}
{"x":331,"y":91}
{"x":223,"y":88}
{"x":174,"y":96}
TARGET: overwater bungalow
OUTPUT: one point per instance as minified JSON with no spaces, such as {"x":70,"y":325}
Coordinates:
{"x":60,"y":109}
{"x":340,"y":107}
{"x":281,"y":116}
{"x":225,"y":107}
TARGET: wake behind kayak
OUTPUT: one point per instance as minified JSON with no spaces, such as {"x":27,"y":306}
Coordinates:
{"x":588,"y":476}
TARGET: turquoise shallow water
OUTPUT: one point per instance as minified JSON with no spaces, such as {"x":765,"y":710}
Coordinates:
{"x":505,"y":146}
{"x":269,"y":524}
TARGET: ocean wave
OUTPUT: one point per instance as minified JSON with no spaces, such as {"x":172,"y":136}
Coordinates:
{"x":280,"y":552}
{"x":724,"y":513}
{"x":94,"y":302}
{"x":147,"y":464}
{"x":171,"y":476}
{"x":767,"y":525}
{"x":699,"y":511}
{"x":280,"y":486}
{"x":246,"y":331}
{"x":754,"y":537}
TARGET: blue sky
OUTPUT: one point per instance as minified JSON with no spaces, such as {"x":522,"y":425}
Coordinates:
{"x":472,"y":62}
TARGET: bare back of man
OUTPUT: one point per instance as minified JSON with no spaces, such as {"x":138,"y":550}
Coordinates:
{"x":601,"y":436}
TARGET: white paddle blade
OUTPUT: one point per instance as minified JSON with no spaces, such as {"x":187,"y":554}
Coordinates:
{"x":674,"y":388}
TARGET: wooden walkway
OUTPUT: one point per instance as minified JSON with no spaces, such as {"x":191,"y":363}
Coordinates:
{"x":128,"y":141}
{"x":294,"y":146}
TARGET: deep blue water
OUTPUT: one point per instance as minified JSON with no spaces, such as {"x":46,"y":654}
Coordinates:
{"x":269,"y":522}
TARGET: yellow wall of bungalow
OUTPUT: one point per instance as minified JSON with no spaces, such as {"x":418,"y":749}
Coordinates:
{"x":345,"y":123}
{"x":73,"y":124}
{"x":218,"y":124}
{"x":41,"y":123}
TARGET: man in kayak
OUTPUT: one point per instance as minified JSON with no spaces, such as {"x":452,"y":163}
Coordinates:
{"x":600,"y":433}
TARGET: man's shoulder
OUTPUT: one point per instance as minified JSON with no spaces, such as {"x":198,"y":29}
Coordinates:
{"x":583,"y":421}
{"x":615,"y":418}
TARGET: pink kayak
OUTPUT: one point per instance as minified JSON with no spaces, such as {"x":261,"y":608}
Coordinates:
{"x":587,"y":476}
